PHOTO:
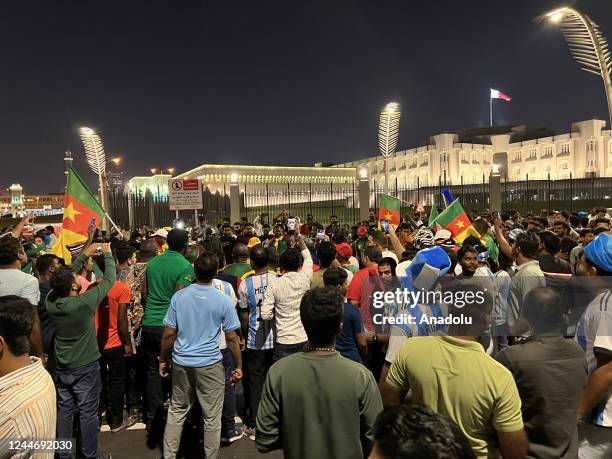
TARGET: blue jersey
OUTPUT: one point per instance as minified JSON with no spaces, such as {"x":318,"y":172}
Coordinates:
{"x":250,"y":298}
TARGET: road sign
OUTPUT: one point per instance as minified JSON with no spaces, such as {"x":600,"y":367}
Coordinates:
{"x":185,"y":195}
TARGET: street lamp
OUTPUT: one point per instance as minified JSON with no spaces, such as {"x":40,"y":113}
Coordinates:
{"x":587,"y":45}
{"x":388,"y":131}
{"x":171,"y":170}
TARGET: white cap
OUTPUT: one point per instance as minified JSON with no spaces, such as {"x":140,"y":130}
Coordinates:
{"x":161,"y":233}
{"x":443,"y":234}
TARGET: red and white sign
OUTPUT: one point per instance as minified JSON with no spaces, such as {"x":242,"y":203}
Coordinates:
{"x":185,"y":195}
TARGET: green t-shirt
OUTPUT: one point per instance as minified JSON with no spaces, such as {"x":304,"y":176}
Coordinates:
{"x":301,"y":389}
{"x":164,"y":273}
{"x":456,"y":378}
{"x":73,"y":318}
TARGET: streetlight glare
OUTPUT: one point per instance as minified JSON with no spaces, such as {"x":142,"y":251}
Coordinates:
{"x":171,"y":170}
{"x":117,"y":161}
{"x":87,"y":131}
{"x":153,"y":171}
{"x":391,"y":107}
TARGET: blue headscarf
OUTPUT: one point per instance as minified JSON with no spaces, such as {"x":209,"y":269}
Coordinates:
{"x":599,"y":252}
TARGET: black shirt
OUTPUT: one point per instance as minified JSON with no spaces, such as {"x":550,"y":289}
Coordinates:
{"x":227,"y":243}
{"x":550,"y":373}
{"x":567,"y":245}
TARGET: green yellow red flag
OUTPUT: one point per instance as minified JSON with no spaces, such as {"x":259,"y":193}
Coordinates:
{"x":81,"y":209}
{"x":389,"y":209}
{"x":455,"y":220}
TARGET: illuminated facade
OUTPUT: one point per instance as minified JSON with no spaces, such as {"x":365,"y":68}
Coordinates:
{"x":468,"y":156}
{"x":16,"y":203}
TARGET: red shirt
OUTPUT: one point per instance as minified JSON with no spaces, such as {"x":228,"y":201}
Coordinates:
{"x":107,"y":327}
{"x":364,"y":283}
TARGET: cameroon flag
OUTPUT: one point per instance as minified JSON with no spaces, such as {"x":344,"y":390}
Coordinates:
{"x":80,"y":209}
{"x":433,"y":214}
{"x":454,"y":219}
{"x":389,"y":209}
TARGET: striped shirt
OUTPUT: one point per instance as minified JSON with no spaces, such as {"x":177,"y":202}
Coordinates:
{"x":27,"y":408}
{"x":250,"y":298}
{"x":226,"y":288}
{"x":595,"y":331}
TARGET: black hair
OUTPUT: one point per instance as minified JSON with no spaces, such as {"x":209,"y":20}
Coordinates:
{"x":380,"y":238}
{"x":563,"y":224}
{"x":50,"y":228}
{"x":16,"y":321}
{"x":206,"y":266}
{"x":124,"y":252}
{"x":177,"y":239}
{"x":465,"y":249}
{"x":528,"y":243}
{"x":374,"y":254}
{"x":326,"y":253}
{"x":240,"y":251}
{"x":321,"y":314}
{"x":416,"y":431}
{"x":551,"y":241}
{"x":544,"y":309}
{"x":471,"y":240}
{"x":542,"y":222}
{"x":10,"y":248}
{"x":574,"y":220}
{"x":265,"y":225}
{"x":259,"y":257}
{"x":248,"y":224}
{"x":598,"y":220}
{"x":273,"y":257}
{"x":290,"y":260}
{"x":334,"y":277}
{"x":481,"y":225}
{"x":61,"y":282}
{"x":44,"y":262}
{"x":390,"y":262}
{"x":339,"y":238}
{"x":226,"y":225}
{"x":584,"y":231}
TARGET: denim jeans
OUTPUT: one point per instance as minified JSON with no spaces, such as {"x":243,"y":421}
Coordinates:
{"x":78,"y":390}
{"x":284,"y":350}
{"x":228,"y":423}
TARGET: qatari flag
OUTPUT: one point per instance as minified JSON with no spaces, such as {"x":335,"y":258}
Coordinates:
{"x":497,"y":94}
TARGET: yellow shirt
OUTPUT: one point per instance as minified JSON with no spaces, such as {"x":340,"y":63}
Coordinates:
{"x":456,"y":378}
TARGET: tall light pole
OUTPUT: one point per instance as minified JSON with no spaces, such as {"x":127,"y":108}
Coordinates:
{"x":388,"y":132}
{"x":587,"y":45}
{"x":96,"y":158}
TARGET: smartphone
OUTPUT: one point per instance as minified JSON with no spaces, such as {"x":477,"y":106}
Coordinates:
{"x":92,"y":221}
{"x":291,"y":224}
{"x":384,"y":224}
{"x":320,"y":234}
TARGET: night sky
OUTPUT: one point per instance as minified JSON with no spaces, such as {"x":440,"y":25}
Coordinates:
{"x":180,"y":83}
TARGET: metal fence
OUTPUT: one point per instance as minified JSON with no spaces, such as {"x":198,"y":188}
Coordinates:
{"x":342,"y":200}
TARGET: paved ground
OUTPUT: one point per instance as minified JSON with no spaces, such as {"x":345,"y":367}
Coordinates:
{"x":132,"y":444}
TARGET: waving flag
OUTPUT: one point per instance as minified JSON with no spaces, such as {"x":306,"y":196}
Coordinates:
{"x":454,"y":219}
{"x":497,"y":94}
{"x":389,"y":209}
{"x":80,"y":209}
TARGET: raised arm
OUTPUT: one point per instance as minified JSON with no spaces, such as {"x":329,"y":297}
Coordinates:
{"x":504,"y":245}
{"x":95,"y":296}
{"x":18,"y":229}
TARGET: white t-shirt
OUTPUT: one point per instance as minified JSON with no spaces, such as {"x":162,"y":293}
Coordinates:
{"x":226,"y":288}
{"x":595,"y":330}
{"x":16,"y":282}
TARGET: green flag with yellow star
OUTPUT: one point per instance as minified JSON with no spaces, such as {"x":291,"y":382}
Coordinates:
{"x":81,"y":209}
{"x":389,"y":209}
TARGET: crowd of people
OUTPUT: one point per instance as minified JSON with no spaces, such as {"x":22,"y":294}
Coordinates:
{"x":328,"y":340}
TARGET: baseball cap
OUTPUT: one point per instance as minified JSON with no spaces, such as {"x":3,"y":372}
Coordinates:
{"x":253,"y":242}
{"x":344,"y":250}
{"x":443,"y":234}
{"x":161,"y":233}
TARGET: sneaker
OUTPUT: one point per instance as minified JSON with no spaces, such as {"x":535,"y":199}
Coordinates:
{"x":237,"y":434}
{"x":124,"y":425}
{"x":134,"y":416}
{"x":104,"y":455}
{"x":250,"y":432}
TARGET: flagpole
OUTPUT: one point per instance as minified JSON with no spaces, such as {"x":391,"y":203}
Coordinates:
{"x":490,"y":109}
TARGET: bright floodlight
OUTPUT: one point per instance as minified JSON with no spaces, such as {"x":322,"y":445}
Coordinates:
{"x":363,"y":173}
{"x":86,"y":131}
{"x":555,"y":16}
{"x":171,"y":170}
{"x":117,"y":161}
{"x":153,"y":171}
{"x":234,"y":177}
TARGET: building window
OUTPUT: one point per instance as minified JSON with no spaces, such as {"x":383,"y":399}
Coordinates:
{"x":531,"y":171}
{"x":532,"y":154}
{"x":548,"y":152}
{"x":518,"y":155}
{"x":464,"y":157}
{"x":424,"y":161}
{"x":590,"y":146}
{"x":516,"y":172}
{"x":475,"y":158}
{"x":563,"y":165}
{"x":565,"y":149}
{"x":444,"y":157}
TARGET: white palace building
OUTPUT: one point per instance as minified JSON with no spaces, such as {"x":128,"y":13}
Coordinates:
{"x":467,"y":156}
